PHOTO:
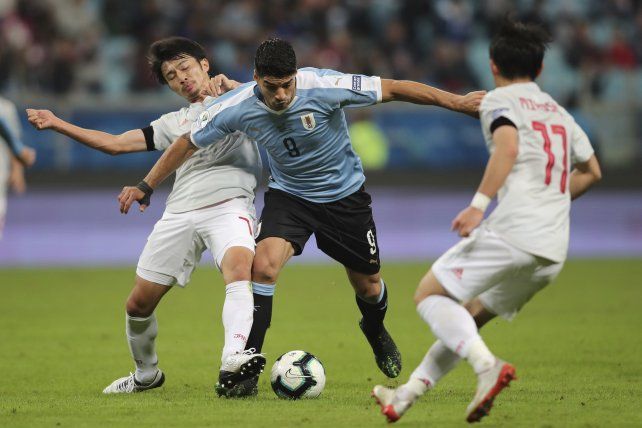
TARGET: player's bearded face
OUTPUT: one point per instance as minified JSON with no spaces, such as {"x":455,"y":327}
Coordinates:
{"x":277,"y":92}
{"x":186,"y":76}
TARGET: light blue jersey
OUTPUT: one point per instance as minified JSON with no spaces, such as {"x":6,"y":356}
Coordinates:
{"x":308,"y":145}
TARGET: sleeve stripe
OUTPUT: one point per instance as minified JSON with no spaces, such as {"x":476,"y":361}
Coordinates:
{"x":501,"y":121}
{"x":148,"y":132}
{"x":379,"y":89}
{"x":313,"y":79}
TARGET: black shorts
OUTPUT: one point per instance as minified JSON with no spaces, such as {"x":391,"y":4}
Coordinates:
{"x":344,"y":229}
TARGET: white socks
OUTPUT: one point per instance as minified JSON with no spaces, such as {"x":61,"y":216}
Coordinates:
{"x":238,"y":313}
{"x":437,"y":363}
{"x":455,"y":328}
{"x":141,"y":333}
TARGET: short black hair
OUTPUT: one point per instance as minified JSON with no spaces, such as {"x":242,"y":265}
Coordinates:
{"x":517,"y":49}
{"x":171,"y":48}
{"x":275,"y":57}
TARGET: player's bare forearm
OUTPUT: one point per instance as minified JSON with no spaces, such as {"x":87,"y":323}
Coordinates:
{"x":177,"y":153}
{"x":174,"y":156}
{"x":501,"y":161}
{"x":583,"y":176}
{"x":419,"y":93}
{"x":128,"y":142}
{"x":497,"y":170}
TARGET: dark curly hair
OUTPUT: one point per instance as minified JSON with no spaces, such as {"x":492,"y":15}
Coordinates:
{"x":276,"y":58}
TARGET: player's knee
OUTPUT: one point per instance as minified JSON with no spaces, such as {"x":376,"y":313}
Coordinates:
{"x":238,"y":272}
{"x":137,"y":307}
{"x":429,"y":286}
{"x":418,"y":298}
{"x":368,"y":288}
{"x":237,"y":265}
{"x":264,"y":271}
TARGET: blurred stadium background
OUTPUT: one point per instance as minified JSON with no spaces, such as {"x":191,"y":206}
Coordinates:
{"x":85,"y":60}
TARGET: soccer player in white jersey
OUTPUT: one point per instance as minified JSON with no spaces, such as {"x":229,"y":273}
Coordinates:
{"x":14,"y":155}
{"x":317,"y":181}
{"x":211,"y":206}
{"x":540,"y":160}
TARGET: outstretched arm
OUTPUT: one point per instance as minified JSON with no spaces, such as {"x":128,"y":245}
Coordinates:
{"x":583,"y":176}
{"x":419,"y":93}
{"x":499,"y":166}
{"x":127,"y":142}
{"x":173,"y":158}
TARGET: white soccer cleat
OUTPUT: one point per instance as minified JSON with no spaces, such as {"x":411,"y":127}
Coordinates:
{"x":129,"y":384}
{"x":237,"y":369}
{"x":392,"y":406}
{"x":489,"y":384}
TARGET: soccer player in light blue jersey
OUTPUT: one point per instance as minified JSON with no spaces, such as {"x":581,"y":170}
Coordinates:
{"x":14,"y":155}
{"x":317,"y":181}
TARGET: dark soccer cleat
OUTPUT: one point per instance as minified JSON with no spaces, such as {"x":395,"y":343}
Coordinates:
{"x":239,"y":375}
{"x":387,"y":355}
{"x":245,"y":388}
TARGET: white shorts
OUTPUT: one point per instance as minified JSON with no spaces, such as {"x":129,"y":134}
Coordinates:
{"x":501,"y":275}
{"x":178,"y":240}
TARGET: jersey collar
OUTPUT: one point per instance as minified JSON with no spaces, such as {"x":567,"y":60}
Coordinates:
{"x":261,"y":102}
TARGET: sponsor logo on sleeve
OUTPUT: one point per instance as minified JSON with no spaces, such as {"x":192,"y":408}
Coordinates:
{"x":498,"y":112}
{"x":356,"y":83}
{"x":308,"y":121}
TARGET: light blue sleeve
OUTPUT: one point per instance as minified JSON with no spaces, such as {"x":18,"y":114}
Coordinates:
{"x":15,"y":144}
{"x":346,"y":90}
{"x":221,"y":117}
{"x":208,"y":129}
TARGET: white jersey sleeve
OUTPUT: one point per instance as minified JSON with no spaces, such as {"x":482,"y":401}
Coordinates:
{"x":347,"y":90}
{"x":495,"y":105}
{"x":581,"y":149}
{"x":169,"y":127}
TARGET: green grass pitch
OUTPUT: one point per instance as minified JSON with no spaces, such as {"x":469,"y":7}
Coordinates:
{"x":577,"y":348}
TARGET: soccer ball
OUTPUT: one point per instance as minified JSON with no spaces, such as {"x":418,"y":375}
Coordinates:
{"x":297,"y":374}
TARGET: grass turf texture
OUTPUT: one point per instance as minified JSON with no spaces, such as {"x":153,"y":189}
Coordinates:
{"x":577,"y":347}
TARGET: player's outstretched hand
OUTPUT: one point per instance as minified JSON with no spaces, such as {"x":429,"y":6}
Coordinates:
{"x":470,"y":102}
{"x":220,"y":84}
{"x":27,"y":156}
{"x":41,"y":119}
{"x":467,"y":220}
{"x":129,"y":195}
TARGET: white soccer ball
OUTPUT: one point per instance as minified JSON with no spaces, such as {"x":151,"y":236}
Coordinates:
{"x":297,"y":374}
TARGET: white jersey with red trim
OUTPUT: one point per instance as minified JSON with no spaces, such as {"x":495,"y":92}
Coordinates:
{"x":534,"y":203}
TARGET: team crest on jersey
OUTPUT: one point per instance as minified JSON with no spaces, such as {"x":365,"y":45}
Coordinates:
{"x":308,"y":121}
{"x":203,"y":118}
